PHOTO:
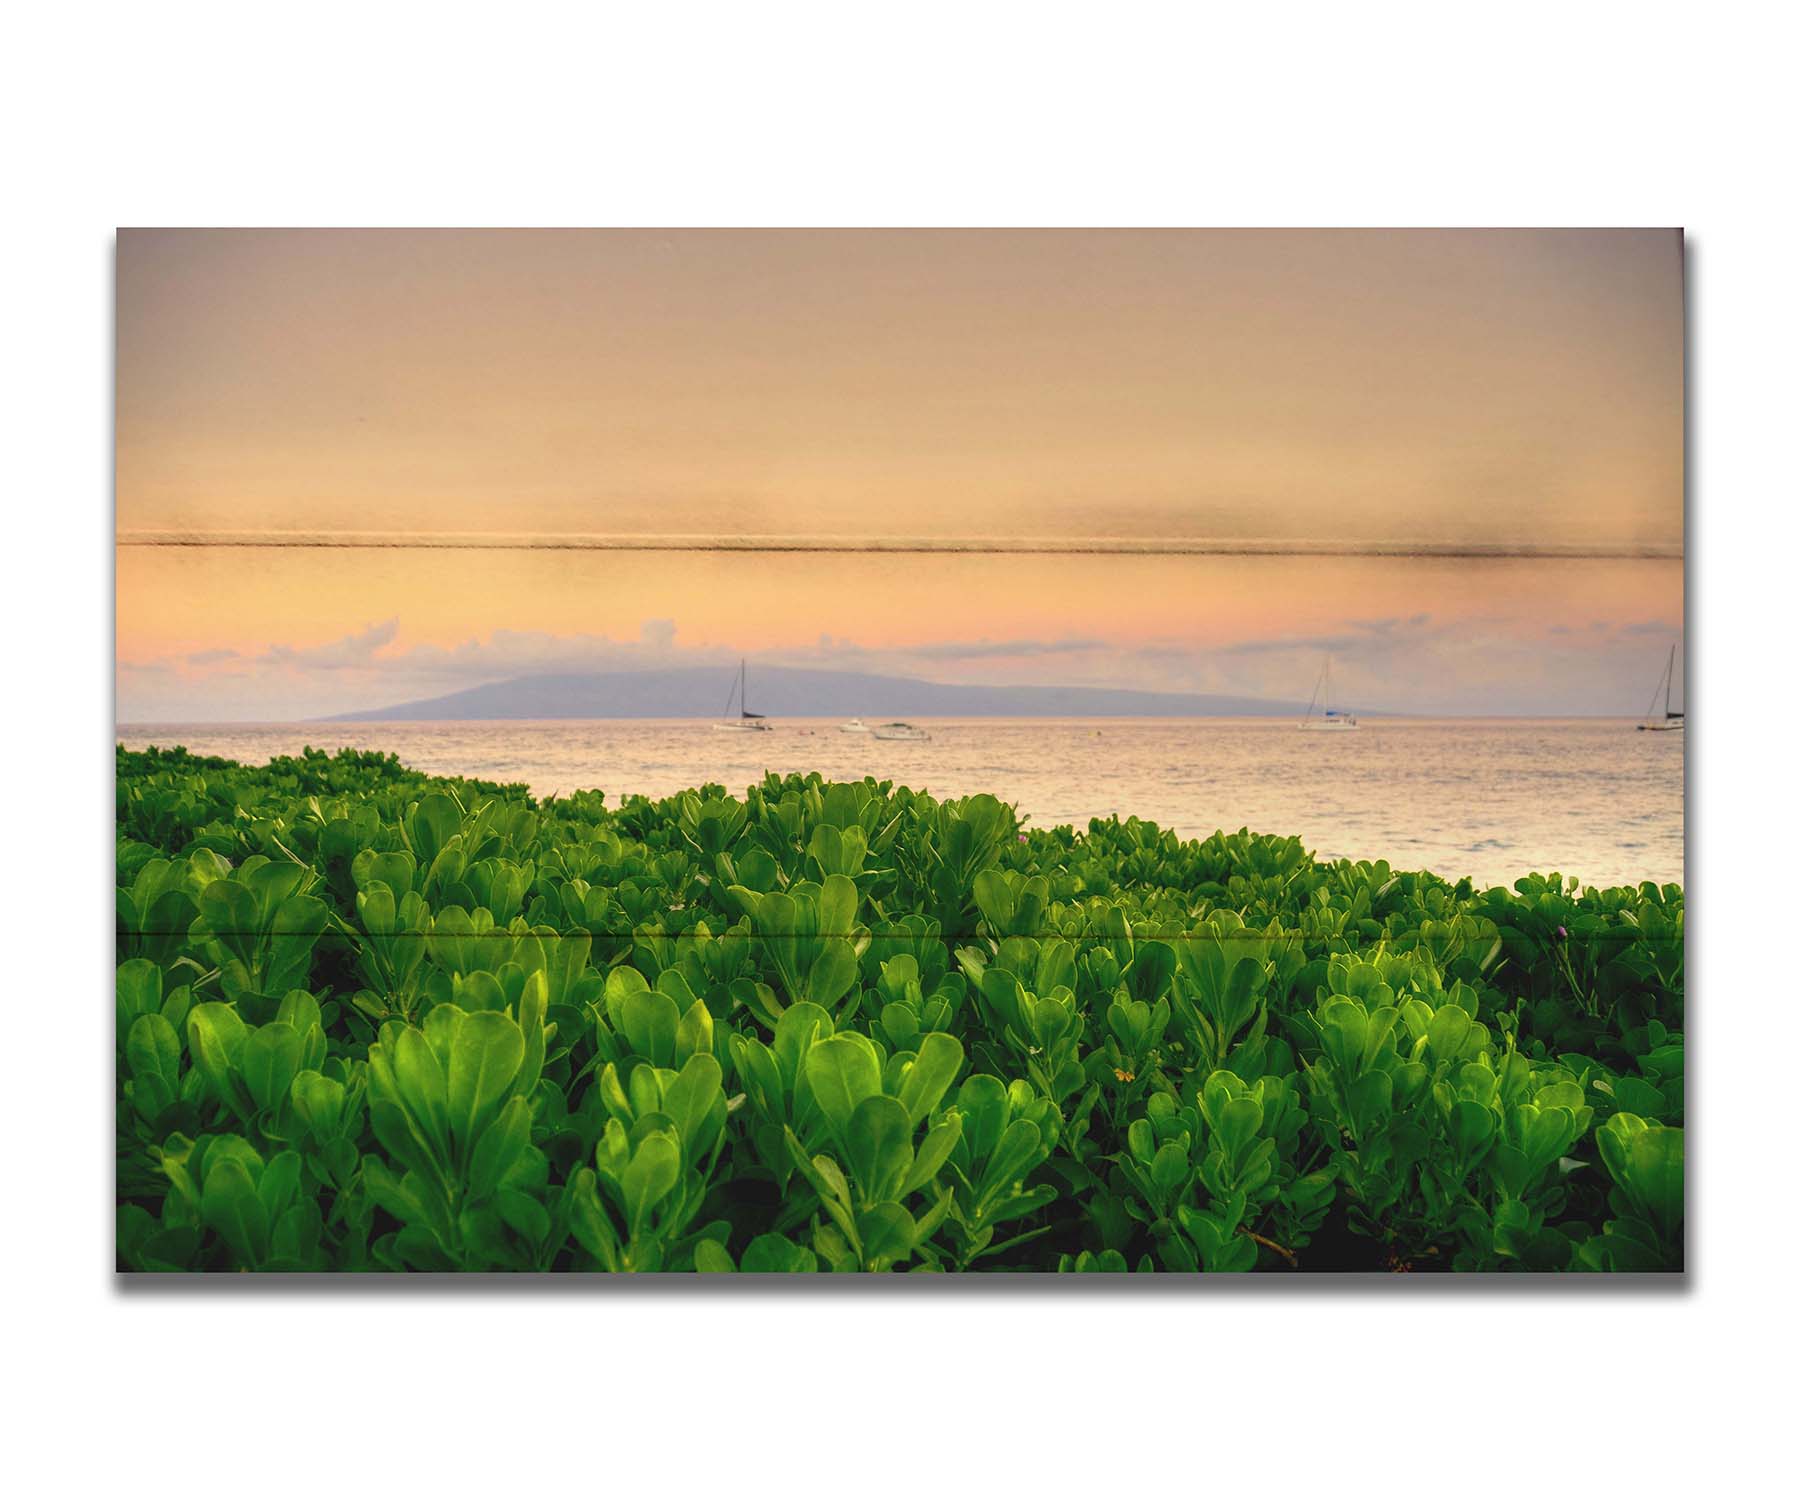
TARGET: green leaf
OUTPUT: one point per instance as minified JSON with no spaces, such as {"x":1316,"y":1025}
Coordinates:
{"x":647,"y":1180}
{"x":694,"y":1033}
{"x":994,"y":900}
{"x":711,"y":1257}
{"x":837,"y":911}
{"x":1239,"y":1121}
{"x":982,"y":1101}
{"x":776,"y":1253}
{"x":1140,"y":1140}
{"x":832,"y":973}
{"x":1449,"y":1028}
{"x":153,"y":1050}
{"x":933,"y":1070}
{"x":621,"y":984}
{"x":1471,"y":1126}
{"x":878,"y":1147}
{"x":651,"y":1022}
{"x":139,"y":989}
{"x":1019,"y":1149}
{"x":319,"y":1102}
{"x":501,"y":1148}
{"x":298,"y":923}
{"x":485,"y":1059}
{"x":842,"y":1071}
{"x":216,"y":1037}
{"x":523,"y":1214}
{"x":888,"y":1234}
{"x":423,"y":1091}
{"x":695,"y":1101}
{"x":271,"y":1058}
{"x":1169,"y":1167}
{"x":933,"y":1152}
{"x":432,"y":824}
{"x":229,"y":911}
{"x":230,"y":1207}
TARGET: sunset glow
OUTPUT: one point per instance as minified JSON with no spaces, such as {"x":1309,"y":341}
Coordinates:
{"x":1497,"y":389}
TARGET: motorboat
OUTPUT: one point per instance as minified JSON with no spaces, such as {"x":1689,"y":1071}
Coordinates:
{"x":899,"y":730}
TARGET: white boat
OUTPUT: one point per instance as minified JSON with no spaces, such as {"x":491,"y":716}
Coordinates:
{"x":1672,"y":719}
{"x":1332,"y":718}
{"x":899,"y":731}
{"x":855,"y":726}
{"x":745,"y":720}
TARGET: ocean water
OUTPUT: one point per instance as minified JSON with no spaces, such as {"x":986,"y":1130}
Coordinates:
{"x":1492,"y":799}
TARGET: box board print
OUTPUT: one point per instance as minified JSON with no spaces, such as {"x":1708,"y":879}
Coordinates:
{"x":896,"y":751}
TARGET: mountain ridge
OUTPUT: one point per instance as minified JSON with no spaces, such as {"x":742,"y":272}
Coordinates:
{"x":797,"y":692}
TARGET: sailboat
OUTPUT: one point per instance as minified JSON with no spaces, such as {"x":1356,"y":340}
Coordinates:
{"x":745,"y":720}
{"x":1332,"y":718}
{"x":1671,"y":718}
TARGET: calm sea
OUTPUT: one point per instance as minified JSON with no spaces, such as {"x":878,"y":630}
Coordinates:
{"x":1493,"y":799}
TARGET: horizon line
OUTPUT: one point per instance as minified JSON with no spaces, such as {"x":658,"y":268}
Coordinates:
{"x":356,"y":716}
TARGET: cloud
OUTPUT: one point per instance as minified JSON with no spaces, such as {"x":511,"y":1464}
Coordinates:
{"x":1410,"y":663}
{"x":351,"y":651}
{"x":367,"y":668}
{"x":984,"y":650}
{"x":523,"y":653}
{"x":1356,"y":636}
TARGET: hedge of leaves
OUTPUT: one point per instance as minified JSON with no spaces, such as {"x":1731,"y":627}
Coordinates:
{"x":371,"y":1020}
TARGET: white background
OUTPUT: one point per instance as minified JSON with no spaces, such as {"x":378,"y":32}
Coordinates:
{"x":1521,"y":114}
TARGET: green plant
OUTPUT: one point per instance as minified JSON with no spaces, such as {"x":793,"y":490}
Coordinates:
{"x":369,"y":1019}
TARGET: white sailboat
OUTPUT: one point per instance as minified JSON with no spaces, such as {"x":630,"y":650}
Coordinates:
{"x":899,"y":730}
{"x":1672,"y":719}
{"x":745,"y":720}
{"x":855,"y":726}
{"x":1332,"y":718}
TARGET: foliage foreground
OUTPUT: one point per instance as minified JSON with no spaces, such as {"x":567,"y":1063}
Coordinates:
{"x":372,"y":1020}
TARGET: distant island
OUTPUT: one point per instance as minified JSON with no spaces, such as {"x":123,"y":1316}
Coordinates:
{"x":795,"y":692}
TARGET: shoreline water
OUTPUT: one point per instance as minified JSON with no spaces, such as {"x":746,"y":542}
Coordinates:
{"x":1493,"y":799}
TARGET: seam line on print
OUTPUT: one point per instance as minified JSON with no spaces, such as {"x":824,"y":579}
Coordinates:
{"x":992,"y":546}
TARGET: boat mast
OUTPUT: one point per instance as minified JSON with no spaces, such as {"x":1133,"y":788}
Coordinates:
{"x":1667,"y":679}
{"x":743,"y":700}
{"x":1313,"y":701}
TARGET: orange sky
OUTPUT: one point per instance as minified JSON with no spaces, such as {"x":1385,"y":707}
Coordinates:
{"x":1489,"y":388}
